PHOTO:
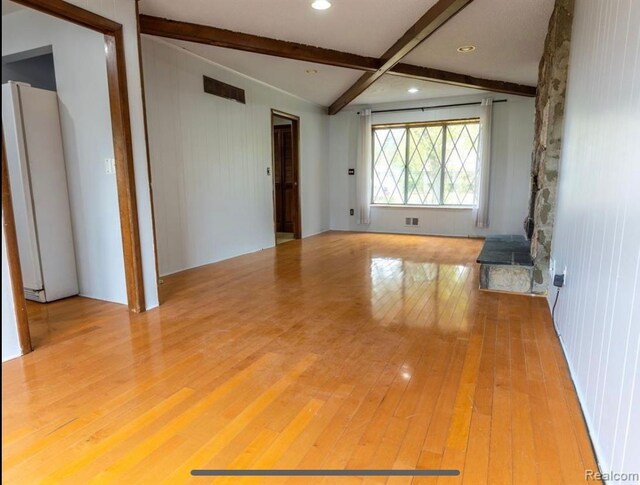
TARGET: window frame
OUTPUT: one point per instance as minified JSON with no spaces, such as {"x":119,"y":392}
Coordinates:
{"x":422,"y":124}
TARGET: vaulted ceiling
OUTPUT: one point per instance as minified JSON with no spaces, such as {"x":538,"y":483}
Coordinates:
{"x":508,"y":36}
{"x":366,"y":27}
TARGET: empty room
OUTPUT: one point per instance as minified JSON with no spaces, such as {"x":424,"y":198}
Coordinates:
{"x":321,"y":241}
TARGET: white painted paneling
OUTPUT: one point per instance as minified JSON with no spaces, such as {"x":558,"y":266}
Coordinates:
{"x":10,"y":343}
{"x":89,"y":63}
{"x":512,"y":143}
{"x":597,"y":234}
{"x":209,"y":159}
{"x":83,"y":98}
{"x":322,"y":87}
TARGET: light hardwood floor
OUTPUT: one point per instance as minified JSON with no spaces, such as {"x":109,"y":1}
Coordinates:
{"x":341,"y":350}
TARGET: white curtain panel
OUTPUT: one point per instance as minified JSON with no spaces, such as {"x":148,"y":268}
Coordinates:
{"x":363,"y":168}
{"x":482,"y":206}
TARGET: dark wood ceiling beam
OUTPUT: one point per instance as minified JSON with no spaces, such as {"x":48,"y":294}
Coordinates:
{"x":431,"y":21}
{"x":204,"y":34}
{"x":463,"y":80}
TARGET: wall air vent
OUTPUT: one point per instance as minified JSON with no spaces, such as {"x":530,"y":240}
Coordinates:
{"x":224,"y":90}
{"x":411,"y":221}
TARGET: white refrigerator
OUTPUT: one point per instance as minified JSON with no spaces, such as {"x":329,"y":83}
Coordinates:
{"x":33,"y":142}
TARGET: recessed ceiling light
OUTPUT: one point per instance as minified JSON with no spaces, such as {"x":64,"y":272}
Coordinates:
{"x":466,"y":48}
{"x":311,"y":71}
{"x":321,"y":4}
{"x":413,"y":90}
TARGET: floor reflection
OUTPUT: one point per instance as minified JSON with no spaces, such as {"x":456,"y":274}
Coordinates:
{"x":412,"y":293}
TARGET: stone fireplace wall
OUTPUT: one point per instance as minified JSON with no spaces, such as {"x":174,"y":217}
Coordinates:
{"x":549,"y":122}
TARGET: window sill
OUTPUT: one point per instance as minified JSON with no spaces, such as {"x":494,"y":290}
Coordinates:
{"x":438,"y":207}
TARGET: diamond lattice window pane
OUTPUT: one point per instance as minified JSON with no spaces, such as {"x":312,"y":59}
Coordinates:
{"x":461,"y":163}
{"x":409,"y":166}
{"x":425,"y":162}
{"x":389,"y":151}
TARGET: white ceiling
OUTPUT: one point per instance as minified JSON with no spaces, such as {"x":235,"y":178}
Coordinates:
{"x":391,"y":88}
{"x":324,"y":86}
{"x":365,"y":27}
{"x":508,"y":35}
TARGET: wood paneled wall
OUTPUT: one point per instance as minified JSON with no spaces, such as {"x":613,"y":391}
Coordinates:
{"x":209,"y":159}
{"x":597,"y":236}
{"x":512,"y":143}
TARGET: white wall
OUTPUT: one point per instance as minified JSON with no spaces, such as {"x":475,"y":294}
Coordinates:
{"x":597,"y":234}
{"x":83,"y":99}
{"x":512,"y":143}
{"x":10,"y":344}
{"x":122,"y":11}
{"x":209,"y":159}
{"x":84,"y":109}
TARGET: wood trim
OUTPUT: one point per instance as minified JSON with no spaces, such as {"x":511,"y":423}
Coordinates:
{"x":72,"y":13}
{"x":123,"y":150}
{"x":282,"y":114}
{"x":273,"y":179}
{"x":464,"y":80}
{"x":125,"y":178}
{"x":295,"y":148}
{"x":431,"y":21}
{"x":146,"y":143}
{"x":204,"y":34}
{"x":13,"y":258}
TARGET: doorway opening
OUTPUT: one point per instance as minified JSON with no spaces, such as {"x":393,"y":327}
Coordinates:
{"x":286,"y":172}
{"x":32,"y":162}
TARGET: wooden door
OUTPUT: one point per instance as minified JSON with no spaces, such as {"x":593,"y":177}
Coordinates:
{"x":284,"y":179}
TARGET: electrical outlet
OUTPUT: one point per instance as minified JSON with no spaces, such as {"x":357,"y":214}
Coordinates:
{"x":351,"y":212}
{"x":268,"y":171}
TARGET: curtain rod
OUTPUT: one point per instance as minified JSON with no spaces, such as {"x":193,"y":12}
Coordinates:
{"x":477,"y":103}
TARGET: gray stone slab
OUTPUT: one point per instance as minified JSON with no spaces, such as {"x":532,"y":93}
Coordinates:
{"x":511,"y":250}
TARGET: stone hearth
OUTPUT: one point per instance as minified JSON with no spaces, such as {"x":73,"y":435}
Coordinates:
{"x":506,"y":264}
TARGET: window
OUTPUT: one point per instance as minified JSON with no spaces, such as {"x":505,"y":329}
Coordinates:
{"x":427,"y":164}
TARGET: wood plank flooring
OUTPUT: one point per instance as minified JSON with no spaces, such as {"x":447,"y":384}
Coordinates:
{"x":337,"y":351}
